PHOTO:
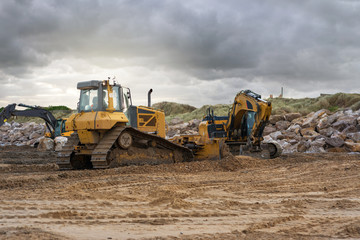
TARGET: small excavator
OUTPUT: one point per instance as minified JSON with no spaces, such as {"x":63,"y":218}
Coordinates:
{"x":241,"y":131}
{"x":55,"y":127}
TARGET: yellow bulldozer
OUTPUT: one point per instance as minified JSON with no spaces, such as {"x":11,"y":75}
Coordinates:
{"x":110,"y":131}
{"x":241,"y":131}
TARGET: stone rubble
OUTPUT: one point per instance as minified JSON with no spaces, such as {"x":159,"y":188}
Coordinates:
{"x":320,"y":131}
{"x":29,"y":133}
{"x":21,"y":133}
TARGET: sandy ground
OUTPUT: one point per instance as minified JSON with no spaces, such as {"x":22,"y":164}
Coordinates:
{"x":299,"y":196}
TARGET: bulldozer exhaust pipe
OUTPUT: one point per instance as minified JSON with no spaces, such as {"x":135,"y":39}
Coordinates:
{"x":149,"y":97}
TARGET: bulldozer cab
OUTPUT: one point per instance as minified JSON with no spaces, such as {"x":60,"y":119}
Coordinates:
{"x":94,"y":96}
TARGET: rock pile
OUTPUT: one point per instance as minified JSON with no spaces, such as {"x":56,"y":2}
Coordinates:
{"x":30,"y":134}
{"x":21,"y":133}
{"x":178,"y":127}
{"x":320,"y":131}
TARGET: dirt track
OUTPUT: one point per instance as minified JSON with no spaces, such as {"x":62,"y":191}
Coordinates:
{"x":296,"y":196}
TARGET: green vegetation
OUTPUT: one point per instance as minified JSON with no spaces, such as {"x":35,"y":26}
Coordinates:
{"x":332,"y":102}
{"x":171,"y":108}
{"x":61,"y":107}
{"x":1,"y":108}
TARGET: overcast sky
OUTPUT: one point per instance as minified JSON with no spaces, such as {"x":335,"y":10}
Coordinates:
{"x":196,"y":52}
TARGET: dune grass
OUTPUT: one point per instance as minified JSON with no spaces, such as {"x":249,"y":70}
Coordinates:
{"x":332,"y":102}
{"x":304,"y":106}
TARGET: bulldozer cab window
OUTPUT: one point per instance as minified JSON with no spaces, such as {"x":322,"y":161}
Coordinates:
{"x":116,"y":98}
{"x":105,"y":99}
{"x":88,"y":100}
{"x":126,"y":99}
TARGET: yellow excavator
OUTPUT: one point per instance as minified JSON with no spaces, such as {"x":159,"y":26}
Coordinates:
{"x":241,"y":131}
{"x":110,"y":131}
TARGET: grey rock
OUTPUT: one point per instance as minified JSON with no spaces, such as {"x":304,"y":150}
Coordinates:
{"x":291,"y":116}
{"x":275,"y":135}
{"x":354,"y":136}
{"x":334,"y":141}
{"x":60,"y":143}
{"x":327,"y":131}
{"x":176,"y":121}
{"x":269,"y":129}
{"x":275,"y":118}
{"x":282,"y":125}
{"x":303,"y":146}
{"x":46,"y":144}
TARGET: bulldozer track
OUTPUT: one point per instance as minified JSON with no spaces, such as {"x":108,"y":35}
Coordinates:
{"x":99,"y":157}
{"x":64,"y":156}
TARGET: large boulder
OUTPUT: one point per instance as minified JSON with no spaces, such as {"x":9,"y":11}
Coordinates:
{"x":194,"y":123}
{"x":350,"y":129}
{"x":269,"y":129}
{"x":176,"y":121}
{"x":354,"y":147}
{"x":334,"y":117}
{"x":303,"y":146}
{"x":282,"y":125}
{"x":294,"y":128}
{"x":275,"y":135}
{"x":340,"y":125}
{"x":309,"y":132}
{"x":335,"y":141}
{"x":327,"y":131}
{"x":291,"y":116}
{"x":5,"y":127}
{"x":289,"y":135}
{"x":310,"y":120}
{"x":354,"y":136}
{"x":275,"y":118}
{"x":60,"y":143}
{"x":15,"y":136}
{"x":323,"y":123}
{"x":46,"y":144}
{"x":35,"y":135}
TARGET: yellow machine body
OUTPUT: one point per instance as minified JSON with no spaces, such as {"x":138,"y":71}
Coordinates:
{"x":103,"y":107}
{"x":243,"y":126}
{"x":247,"y":118}
{"x":151,"y":121}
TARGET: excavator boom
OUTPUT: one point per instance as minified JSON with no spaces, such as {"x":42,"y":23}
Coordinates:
{"x":52,"y":124}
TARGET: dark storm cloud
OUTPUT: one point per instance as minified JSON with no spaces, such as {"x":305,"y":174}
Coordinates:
{"x":279,"y":41}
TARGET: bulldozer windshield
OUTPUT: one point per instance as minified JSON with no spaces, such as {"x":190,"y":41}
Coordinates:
{"x":98,"y":99}
{"x":89,"y":100}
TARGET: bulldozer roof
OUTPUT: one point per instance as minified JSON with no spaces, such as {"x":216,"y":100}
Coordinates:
{"x":92,"y":84}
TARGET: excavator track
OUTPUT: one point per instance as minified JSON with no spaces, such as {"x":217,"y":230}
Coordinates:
{"x":64,"y":156}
